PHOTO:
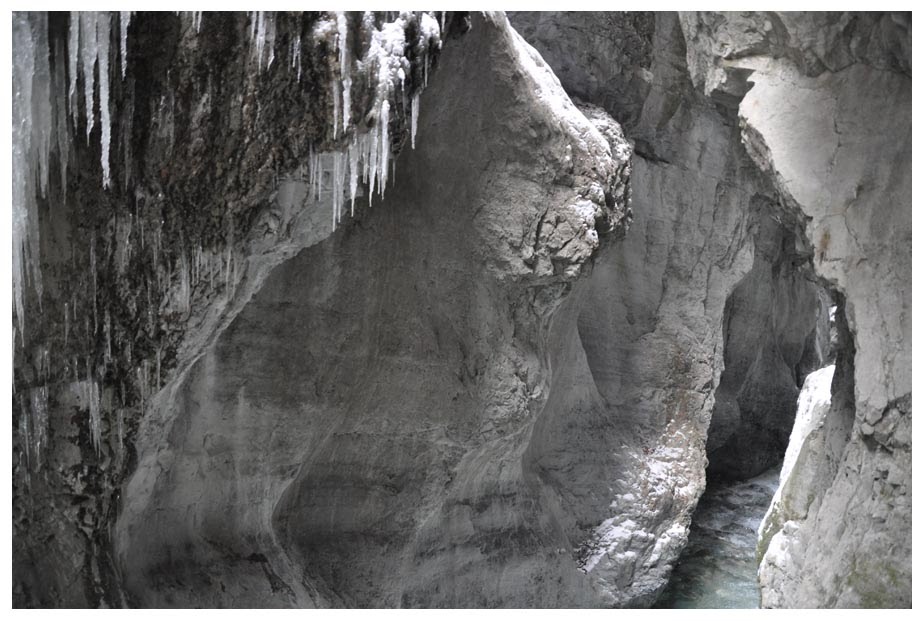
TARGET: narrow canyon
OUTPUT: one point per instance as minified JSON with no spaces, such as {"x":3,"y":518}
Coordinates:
{"x":461,"y":309}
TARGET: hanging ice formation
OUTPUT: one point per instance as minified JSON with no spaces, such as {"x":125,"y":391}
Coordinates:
{"x":35,"y":132}
{"x":387,"y":68}
{"x":44,"y":102}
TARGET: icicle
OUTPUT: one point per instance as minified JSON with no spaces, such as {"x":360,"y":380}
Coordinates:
{"x":184,"y":293}
{"x":415,"y":110}
{"x":62,"y":135}
{"x":263,"y":33}
{"x":89,"y":395}
{"x":73,"y":54}
{"x":345,"y":78}
{"x":24,"y":208}
{"x":41,"y":97}
{"x":386,"y":148}
{"x":39,"y":423}
{"x":102,"y":30}
{"x":88,"y":52}
{"x":297,"y":56}
{"x":31,"y":141}
{"x":125,"y":18}
{"x":157,"y":375}
{"x":141,"y":373}
{"x":354,"y":172}
{"x":335,"y":94}
{"x":336,"y":188}
{"x":271,"y":40}
{"x":107,"y":331}
{"x":120,"y":424}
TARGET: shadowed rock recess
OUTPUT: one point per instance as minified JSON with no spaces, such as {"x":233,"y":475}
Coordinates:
{"x":429,"y":309}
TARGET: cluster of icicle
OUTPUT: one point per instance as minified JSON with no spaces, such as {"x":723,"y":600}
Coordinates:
{"x":44,"y":102}
{"x":40,"y":104}
{"x":386,"y":67}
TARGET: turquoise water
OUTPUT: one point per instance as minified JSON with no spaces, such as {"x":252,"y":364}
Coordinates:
{"x":718,"y":569}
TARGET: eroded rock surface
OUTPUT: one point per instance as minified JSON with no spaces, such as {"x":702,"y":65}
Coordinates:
{"x":813,"y":131}
{"x":390,"y":379}
{"x":652,"y":320}
{"x":498,"y":385}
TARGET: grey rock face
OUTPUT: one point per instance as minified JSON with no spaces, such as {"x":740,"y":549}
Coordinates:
{"x":390,"y":379}
{"x":140,"y":276}
{"x":772,"y":341}
{"x":813,"y":133}
{"x":498,"y":385}
{"x":656,"y":313}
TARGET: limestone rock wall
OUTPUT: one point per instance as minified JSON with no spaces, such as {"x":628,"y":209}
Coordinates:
{"x":813,"y":129}
{"x":210,"y":159}
{"x":776,"y":332}
{"x":497,"y":384}
{"x":711,"y":277}
{"x":359,"y":434}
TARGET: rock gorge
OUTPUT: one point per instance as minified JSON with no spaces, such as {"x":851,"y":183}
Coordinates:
{"x":456,"y":309}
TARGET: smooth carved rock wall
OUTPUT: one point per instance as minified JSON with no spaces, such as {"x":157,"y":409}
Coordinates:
{"x":776,"y":332}
{"x":652,"y":323}
{"x":359,"y":434}
{"x":837,"y":143}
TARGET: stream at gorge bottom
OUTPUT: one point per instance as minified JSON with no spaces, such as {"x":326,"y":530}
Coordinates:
{"x":718,"y":568}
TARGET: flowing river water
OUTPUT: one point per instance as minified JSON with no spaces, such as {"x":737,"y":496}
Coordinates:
{"x":718,"y":568}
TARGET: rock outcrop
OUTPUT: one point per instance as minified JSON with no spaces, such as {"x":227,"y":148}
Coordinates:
{"x":390,"y":378}
{"x":713,"y":276}
{"x":212,"y":154}
{"x":776,"y":331}
{"x":493,"y":383}
{"x":816,"y":112}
